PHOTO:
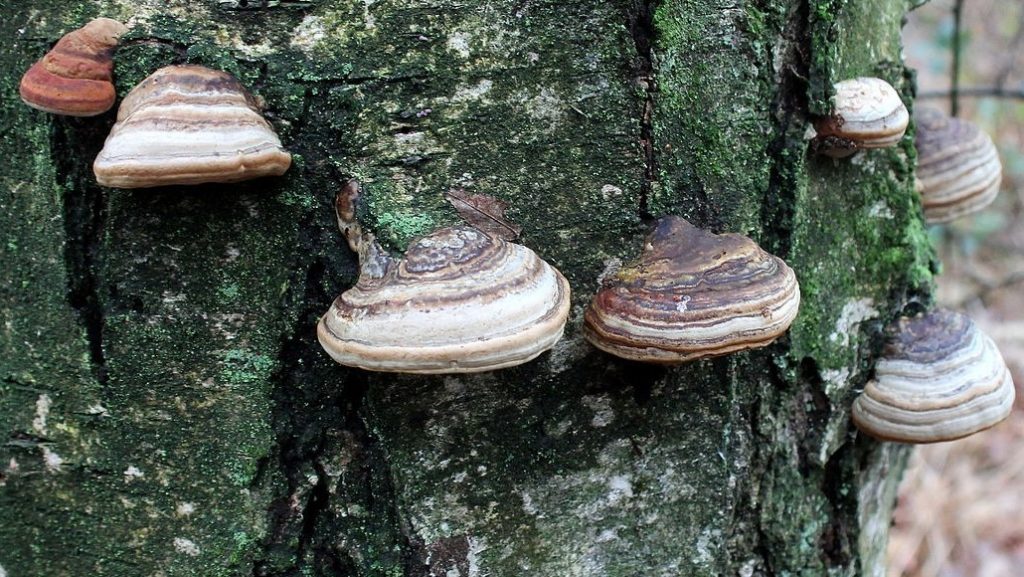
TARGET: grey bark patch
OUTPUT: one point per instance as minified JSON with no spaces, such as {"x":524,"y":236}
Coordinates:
{"x":448,"y":557}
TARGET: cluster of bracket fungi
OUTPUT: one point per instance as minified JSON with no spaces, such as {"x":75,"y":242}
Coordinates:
{"x":940,"y":378}
{"x":467,"y":299}
{"x":181,"y":125}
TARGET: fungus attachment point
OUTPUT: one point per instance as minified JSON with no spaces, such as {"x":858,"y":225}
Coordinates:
{"x":189,"y":125}
{"x":939,"y":379}
{"x":75,"y":78}
{"x":958,"y":168}
{"x":867,"y":113}
{"x":461,"y":300}
{"x":692,"y":294}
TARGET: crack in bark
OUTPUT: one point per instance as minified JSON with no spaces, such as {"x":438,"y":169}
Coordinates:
{"x":85,"y":213}
{"x":301,"y":435}
{"x":836,"y":542}
{"x":752,"y":497}
{"x":322,"y":434}
{"x":786,"y":150}
{"x":319,"y":500}
{"x":643,"y":31}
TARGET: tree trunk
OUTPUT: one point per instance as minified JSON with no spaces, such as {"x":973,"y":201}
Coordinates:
{"x":165,"y":406}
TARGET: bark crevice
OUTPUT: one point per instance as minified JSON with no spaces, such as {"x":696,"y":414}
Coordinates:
{"x":326,"y":463}
{"x":787,"y":148}
{"x":643,"y":31}
{"x":301,"y":434}
{"x":837,"y":543}
{"x":85,"y":214}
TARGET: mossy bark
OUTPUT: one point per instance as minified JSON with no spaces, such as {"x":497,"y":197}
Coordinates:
{"x":166,"y":409}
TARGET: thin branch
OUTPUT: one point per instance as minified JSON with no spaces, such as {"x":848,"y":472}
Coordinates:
{"x":954,"y":96}
{"x":1012,"y":49}
{"x":976,"y":92}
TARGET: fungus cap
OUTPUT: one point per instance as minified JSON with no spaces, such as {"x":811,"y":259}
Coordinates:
{"x":75,"y":78}
{"x":867,"y":113}
{"x":189,"y":125}
{"x":460,"y":301}
{"x":693,"y":294}
{"x":940,"y":378}
{"x":957,"y":166}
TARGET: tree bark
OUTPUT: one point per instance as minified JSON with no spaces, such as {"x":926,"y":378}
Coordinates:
{"x":166,"y":409}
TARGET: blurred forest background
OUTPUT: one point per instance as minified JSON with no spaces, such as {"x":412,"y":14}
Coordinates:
{"x":961,"y":505}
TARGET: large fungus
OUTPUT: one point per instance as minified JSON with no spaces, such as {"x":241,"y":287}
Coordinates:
{"x":461,"y":300}
{"x":75,"y":78}
{"x":189,"y":125}
{"x":958,"y":168}
{"x":940,"y":378}
{"x":693,"y":294}
{"x":867,"y":113}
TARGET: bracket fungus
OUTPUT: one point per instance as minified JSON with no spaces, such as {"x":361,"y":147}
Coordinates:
{"x":461,"y":300}
{"x":189,"y":125}
{"x":867,"y":113}
{"x":939,"y":379}
{"x":693,"y":294}
{"x":75,"y":78}
{"x":958,"y":168}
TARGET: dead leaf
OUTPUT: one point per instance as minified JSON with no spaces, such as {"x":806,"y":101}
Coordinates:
{"x":345,"y":201}
{"x":345,"y":210}
{"x":484,"y":212}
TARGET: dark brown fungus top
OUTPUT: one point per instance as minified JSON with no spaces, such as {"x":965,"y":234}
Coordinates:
{"x":693,"y":294}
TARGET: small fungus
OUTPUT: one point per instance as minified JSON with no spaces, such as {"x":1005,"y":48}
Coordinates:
{"x":867,"y":113}
{"x":693,"y":294}
{"x":461,"y":300}
{"x":75,"y":78}
{"x":958,"y":168}
{"x":939,"y":379}
{"x":189,"y":125}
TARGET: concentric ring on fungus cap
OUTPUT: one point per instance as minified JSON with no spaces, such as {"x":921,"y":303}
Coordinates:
{"x":460,"y":301}
{"x":939,"y":379}
{"x":189,"y":125}
{"x":867,"y":113}
{"x":958,"y":167}
{"x":75,"y":78}
{"x":693,"y":294}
